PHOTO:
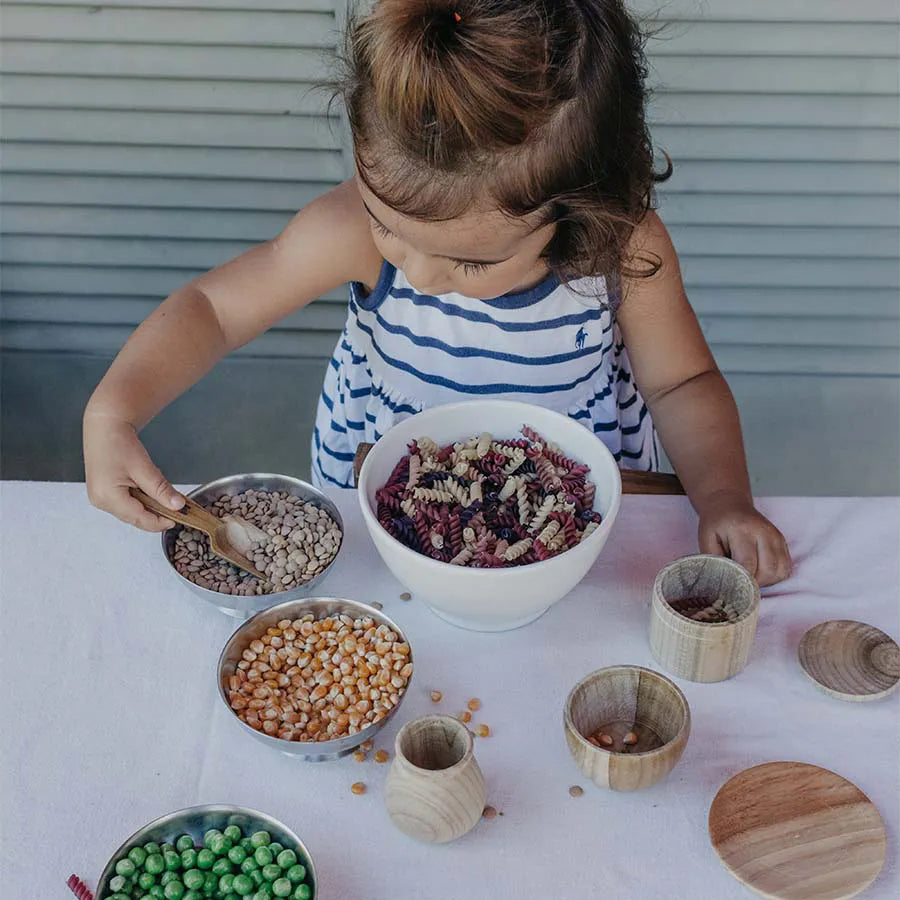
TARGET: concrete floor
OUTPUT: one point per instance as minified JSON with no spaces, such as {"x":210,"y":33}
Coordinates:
{"x":805,"y":435}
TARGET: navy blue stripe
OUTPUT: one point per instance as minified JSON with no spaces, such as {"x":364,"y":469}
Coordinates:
{"x":606,"y":426}
{"x":321,"y":445}
{"x":356,"y":393}
{"x":521,"y":299}
{"x":634,"y":429}
{"x":495,"y":388}
{"x":393,"y":405}
{"x":451,"y":309}
{"x":327,"y":401}
{"x":469,"y":352}
{"x":356,"y":360}
{"x":326,"y":477}
{"x":629,"y":402}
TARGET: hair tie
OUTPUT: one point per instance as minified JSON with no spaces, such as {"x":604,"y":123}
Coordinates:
{"x":457,"y":17}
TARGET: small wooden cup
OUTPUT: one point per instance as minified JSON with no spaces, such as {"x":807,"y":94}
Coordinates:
{"x":435,"y":791}
{"x":703,"y":618}
{"x":643,"y":719}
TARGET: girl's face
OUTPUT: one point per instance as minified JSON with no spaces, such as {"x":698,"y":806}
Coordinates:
{"x":481,"y":254}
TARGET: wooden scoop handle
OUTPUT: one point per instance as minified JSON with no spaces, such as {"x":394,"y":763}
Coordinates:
{"x":191,"y":514}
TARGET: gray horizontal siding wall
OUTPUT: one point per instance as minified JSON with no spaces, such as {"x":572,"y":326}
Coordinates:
{"x":144,"y":141}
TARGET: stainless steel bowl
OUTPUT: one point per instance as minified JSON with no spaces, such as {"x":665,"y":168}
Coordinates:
{"x":235,"y":605}
{"x":293,"y":609}
{"x":195,"y":821}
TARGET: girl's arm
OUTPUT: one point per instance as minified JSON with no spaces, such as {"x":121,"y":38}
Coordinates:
{"x":326,"y":244}
{"x":694,"y":410}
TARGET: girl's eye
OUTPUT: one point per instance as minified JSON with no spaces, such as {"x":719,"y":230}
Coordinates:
{"x":380,"y":229}
{"x":473,"y":268}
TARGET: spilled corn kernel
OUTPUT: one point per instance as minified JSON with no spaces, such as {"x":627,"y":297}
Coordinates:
{"x":381,"y":756}
{"x":358,"y":788}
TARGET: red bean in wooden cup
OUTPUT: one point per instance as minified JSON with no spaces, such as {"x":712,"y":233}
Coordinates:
{"x":315,"y":678}
{"x":569,"y":500}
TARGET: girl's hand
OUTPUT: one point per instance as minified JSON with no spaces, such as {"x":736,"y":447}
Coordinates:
{"x":731,"y":526}
{"x":114,"y":461}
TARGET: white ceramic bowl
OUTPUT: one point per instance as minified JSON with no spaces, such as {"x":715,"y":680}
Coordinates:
{"x":490,"y":599}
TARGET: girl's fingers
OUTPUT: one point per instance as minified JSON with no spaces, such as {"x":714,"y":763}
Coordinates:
{"x":710,"y":543}
{"x":151,"y":481}
{"x":743,"y":550}
{"x":133,"y":512}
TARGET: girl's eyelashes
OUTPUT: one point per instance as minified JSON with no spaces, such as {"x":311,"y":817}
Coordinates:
{"x":473,"y":268}
{"x":380,"y":229}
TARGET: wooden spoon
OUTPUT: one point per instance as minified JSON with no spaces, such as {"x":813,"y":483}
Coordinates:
{"x":223,"y":535}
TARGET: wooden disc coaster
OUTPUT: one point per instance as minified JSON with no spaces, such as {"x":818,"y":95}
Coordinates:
{"x":793,"y":831}
{"x":850,"y":660}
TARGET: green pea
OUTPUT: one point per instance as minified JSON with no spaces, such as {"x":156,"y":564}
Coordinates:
{"x":172,"y":860}
{"x":137,"y":893}
{"x":167,"y":848}
{"x":213,"y":832}
{"x":225,"y":883}
{"x":138,"y":855}
{"x":146,"y":880}
{"x":231,"y":896}
{"x":260,"y":838}
{"x":302,"y":892}
{"x":192,"y":895}
{"x":296,"y":874}
{"x":276,"y":848}
{"x":243,"y":885}
{"x":189,"y":858}
{"x":168,"y":877}
{"x":219,"y":844}
{"x":120,"y":897}
{"x":151,"y":847}
{"x":286,"y":859}
{"x":264,"y":891}
{"x":194,"y":879}
{"x":205,"y":859}
{"x":271,"y":871}
{"x":237,"y":854}
{"x":221,"y":866}
{"x":125,"y":867}
{"x":263,"y":856}
{"x":212,"y":882}
{"x":174,"y":890}
{"x":157,"y":892}
{"x":249,"y":865}
{"x":117,"y":883}
{"x":247,"y":844}
{"x":282,"y":887}
{"x":256,"y":877}
{"x":185,"y":842}
{"x":233,"y":832}
{"x":154,"y":864}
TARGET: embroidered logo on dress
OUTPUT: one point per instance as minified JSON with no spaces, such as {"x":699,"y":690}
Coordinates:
{"x":580,"y":338}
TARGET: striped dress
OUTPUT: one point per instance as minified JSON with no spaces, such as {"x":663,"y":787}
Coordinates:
{"x":401,"y":352}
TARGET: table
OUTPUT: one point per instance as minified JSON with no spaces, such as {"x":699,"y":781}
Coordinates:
{"x":111,"y":715}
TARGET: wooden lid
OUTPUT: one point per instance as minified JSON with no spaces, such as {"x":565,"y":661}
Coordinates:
{"x":793,"y":831}
{"x":850,"y":660}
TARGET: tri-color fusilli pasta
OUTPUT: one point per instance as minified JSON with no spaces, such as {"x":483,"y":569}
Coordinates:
{"x":488,"y":503}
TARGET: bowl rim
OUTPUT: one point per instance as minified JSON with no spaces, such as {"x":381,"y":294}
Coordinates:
{"x":664,"y":607}
{"x":216,"y":596}
{"x":279,"y":743}
{"x":468,"y":753}
{"x":681,"y":734}
{"x":201,"y":809}
{"x":439,"y":566}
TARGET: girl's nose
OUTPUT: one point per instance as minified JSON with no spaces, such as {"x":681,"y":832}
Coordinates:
{"x":424,"y":274}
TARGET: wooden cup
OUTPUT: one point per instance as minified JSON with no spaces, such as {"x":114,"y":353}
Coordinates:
{"x":623,"y":703}
{"x":709,"y":587}
{"x":435,"y":790}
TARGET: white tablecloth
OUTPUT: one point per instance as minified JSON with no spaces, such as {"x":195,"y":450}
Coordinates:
{"x":111,"y":716}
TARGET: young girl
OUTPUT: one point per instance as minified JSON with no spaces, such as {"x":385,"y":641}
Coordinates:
{"x":498,"y":240}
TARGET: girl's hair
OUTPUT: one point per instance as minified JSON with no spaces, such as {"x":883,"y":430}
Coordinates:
{"x":536,"y":105}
